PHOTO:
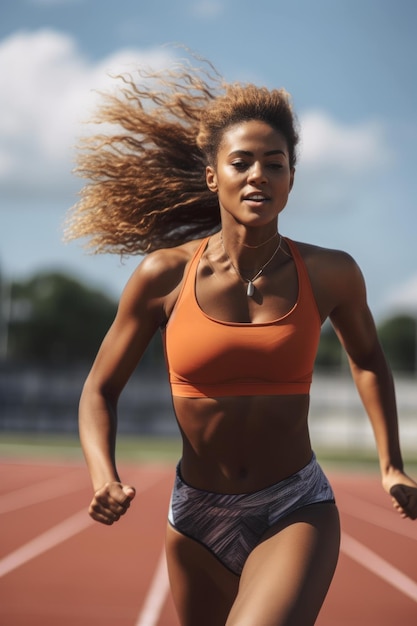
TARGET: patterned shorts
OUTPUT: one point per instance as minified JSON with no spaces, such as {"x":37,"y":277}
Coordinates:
{"x":230,"y":526}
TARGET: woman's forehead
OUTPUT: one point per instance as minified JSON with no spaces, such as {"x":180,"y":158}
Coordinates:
{"x":255,"y":133}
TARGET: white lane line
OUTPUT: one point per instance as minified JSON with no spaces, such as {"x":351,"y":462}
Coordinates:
{"x":378,"y":566}
{"x":42,"y":491}
{"x":156,"y":596}
{"x":376,"y":515}
{"x":47,"y":540}
{"x":57,"y":534}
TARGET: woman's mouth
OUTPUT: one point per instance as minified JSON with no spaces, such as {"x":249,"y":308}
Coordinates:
{"x":256,"y":197}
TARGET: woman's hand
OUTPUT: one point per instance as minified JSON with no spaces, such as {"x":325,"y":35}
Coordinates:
{"x":110,"y":502}
{"x":403,"y":491}
{"x":404,"y":498}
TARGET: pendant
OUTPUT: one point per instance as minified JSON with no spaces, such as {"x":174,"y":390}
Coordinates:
{"x":250,"y":289}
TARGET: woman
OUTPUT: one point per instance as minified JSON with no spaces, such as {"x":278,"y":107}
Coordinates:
{"x":198,"y":180}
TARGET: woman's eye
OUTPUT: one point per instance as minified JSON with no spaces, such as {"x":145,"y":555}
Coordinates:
{"x":239,"y":165}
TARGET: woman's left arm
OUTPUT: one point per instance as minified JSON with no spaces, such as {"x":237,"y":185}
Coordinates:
{"x":355,"y":327}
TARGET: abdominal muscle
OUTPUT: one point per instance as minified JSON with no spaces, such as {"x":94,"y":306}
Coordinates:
{"x":242,"y":444}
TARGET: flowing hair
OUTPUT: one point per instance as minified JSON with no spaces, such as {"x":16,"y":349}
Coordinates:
{"x":146,"y":184}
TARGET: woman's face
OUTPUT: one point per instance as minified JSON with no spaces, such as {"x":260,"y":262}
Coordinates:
{"x":252,"y":177}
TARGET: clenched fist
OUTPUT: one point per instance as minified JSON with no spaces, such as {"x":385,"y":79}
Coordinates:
{"x":405,"y":500}
{"x":110,"y":502}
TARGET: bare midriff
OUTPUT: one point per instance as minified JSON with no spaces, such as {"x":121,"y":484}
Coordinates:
{"x":242,"y":444}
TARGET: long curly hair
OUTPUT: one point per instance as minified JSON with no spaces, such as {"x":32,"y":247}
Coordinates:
{"x":146,"y":184}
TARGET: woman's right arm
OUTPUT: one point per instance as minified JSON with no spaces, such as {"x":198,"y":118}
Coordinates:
{"x":140,"y":313}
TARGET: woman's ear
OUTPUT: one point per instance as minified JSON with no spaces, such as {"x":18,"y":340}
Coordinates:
{"x":292,"y":178}
{"x":211,"y":179}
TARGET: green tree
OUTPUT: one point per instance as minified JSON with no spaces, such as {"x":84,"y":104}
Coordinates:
{"x":398,"y":337}
{"x":54,"y":318}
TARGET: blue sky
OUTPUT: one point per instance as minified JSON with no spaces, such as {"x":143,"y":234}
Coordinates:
{"x":350,"y":65}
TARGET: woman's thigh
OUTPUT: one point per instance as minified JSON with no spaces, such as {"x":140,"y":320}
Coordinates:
{"x":286,"y":577}
{"x":203,"y":589}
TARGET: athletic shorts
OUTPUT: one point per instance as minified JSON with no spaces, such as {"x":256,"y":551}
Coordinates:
{"x":230,"y":526}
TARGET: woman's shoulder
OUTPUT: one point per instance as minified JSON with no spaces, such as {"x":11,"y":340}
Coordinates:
{"x":326,"y":259}
{"x":162,"y":270}
{"x":166,"y":261}
{"x":335,"y":276}
{"x":156,"y":281}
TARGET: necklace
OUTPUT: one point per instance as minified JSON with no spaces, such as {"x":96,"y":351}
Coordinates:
{"x":250,"y":290}
{"x":246,"y":245}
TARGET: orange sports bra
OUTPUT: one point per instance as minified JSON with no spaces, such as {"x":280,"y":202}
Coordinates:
{"x":211,"y":358}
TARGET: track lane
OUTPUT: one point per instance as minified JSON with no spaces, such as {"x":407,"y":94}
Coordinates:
{"x":362,"y":592}
{"x":100,"y":575}
{"x":104,"y":575}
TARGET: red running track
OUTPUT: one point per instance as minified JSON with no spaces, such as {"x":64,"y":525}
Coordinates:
{"x":58,"y":567}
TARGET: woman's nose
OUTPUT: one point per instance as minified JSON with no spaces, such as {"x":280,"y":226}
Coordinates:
{"x":257,"y":173}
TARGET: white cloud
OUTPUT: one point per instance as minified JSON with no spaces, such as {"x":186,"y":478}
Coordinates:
{"x":354,"y":148}
{"x":47,"y":89}
{"x":404,"y":297}
{"x":338,"y":163}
